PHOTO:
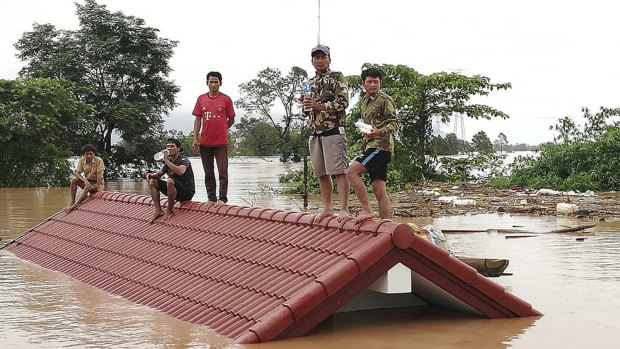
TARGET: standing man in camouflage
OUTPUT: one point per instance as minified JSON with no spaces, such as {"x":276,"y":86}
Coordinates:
{"x":379,"y":111}
{"x":326,"y":119}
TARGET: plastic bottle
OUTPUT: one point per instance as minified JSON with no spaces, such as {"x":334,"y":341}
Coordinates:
{"x":307,"y":90}
{"x":158,"y":156}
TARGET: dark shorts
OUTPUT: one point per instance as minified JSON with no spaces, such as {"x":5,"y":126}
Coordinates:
{"x":183,"y":193}
{"x":375,"y":161}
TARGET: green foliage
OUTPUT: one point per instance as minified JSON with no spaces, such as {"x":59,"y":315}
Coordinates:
{"x":501,"y":142}
{"x":450,"y":145}
{"x":479,"y":166}
{"x":419,"y":98}
{"x":294,"y":181}
{"x":40,"y":122}
{"x":132,"y":161}
{"x":254,"y":137}
{"x":566,"y":131}
{"x":585,"y":160}
{"x":264,"y":132}
{"x":482,"y":143}
{"x":120,"y":66}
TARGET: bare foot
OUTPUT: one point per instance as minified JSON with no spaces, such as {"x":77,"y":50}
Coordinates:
{"x":342,"y":215}
{"x":364,"y":216}
{"x":220,"y":203}
{"x":167,"y":216}
{"x":157,"y":214}
{"x":322,"y":215}
{"x":68,"y":208}
{"x":210,"y":202}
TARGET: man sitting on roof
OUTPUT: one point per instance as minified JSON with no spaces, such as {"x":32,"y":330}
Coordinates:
{"x":180,"y":183}
{"x":91,"y":182}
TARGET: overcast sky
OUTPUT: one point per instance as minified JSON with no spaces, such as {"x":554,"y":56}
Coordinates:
{"x":559,"y":56}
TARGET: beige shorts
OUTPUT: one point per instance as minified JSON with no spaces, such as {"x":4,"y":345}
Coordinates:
{"x":328,"y":154}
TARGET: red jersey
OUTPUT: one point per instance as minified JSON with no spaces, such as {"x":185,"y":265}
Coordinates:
{"x":214,"y":113}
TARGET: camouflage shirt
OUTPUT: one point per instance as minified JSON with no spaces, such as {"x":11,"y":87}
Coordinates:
{"x":330,"y":91}
{"x":379,"y":110}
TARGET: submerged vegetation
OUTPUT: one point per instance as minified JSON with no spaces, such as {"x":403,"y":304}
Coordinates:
{"x":580,"y":159}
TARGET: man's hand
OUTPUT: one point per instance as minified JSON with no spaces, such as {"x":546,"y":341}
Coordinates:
{"x":374,"y":134}
{"x":150,"y":176}
{"x":308,"y":102}
{"x":196,"y":145}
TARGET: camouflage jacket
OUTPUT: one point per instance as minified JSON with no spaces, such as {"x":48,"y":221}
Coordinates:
{"x":330,"y":91}
{"x":379,"y":110}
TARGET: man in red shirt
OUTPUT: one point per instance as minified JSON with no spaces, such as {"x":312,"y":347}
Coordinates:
{"x":216,"y":112}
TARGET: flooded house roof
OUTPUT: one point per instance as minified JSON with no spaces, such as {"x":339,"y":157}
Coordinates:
{"x":251,"y":274}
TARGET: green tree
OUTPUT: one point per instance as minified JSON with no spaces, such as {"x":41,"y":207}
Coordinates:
{"x":450,"y":145}
{"x":418,"y":98}
{"x":254,"y":137}
{"x":501,"y":142}
{"x":259,"y":96}
{"x":565,"y":131}
{"x":585,"y":160}
{"x":40,"y":121}
{"x":596,"y":124}
{"x":482,"y":143}
{"x":120,"y":64}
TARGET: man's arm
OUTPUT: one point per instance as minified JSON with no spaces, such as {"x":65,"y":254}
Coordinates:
{"x":78,"y":175}
{"x":100,"y":169}
{"x":99,"y":181}
{"x":155,"y":175}
{"x":230,"y":121}
{"x":196,"y":142}
{"x":179,"y":170}
{"x":391,"y":119}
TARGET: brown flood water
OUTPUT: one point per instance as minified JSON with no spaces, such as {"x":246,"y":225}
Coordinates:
{"x":575,"y":284}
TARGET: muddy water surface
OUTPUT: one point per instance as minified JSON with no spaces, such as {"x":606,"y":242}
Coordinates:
{"x":576,"y":284}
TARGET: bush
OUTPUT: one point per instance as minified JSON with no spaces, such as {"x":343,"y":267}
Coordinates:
{"x":590,"y":165}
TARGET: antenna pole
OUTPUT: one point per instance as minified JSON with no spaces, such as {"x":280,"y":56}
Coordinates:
{"x":318,"y":39}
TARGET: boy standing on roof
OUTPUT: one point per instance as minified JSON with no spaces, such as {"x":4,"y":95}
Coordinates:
{"x":91,"y":182}
{"x":180,"y":183}
{"x":215,"y":111}
{"x":379,"y":111}
{"x":327,"y":102}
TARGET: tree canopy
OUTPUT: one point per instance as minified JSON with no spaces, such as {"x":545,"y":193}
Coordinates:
{"x":118,"y":64}
{"x":586,"y":159}
{"x":259,"y":96}
{"x":40,"y":122}
{"x":482,"y":143}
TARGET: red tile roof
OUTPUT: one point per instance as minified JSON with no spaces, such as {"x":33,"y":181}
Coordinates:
{"x":251,"y":274}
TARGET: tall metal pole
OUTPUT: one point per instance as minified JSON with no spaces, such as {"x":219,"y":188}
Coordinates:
{"x":318,"y":39}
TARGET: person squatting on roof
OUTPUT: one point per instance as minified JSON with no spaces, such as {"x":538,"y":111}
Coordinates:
{"x":180,"y":183}
{"x":91,"y":182}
